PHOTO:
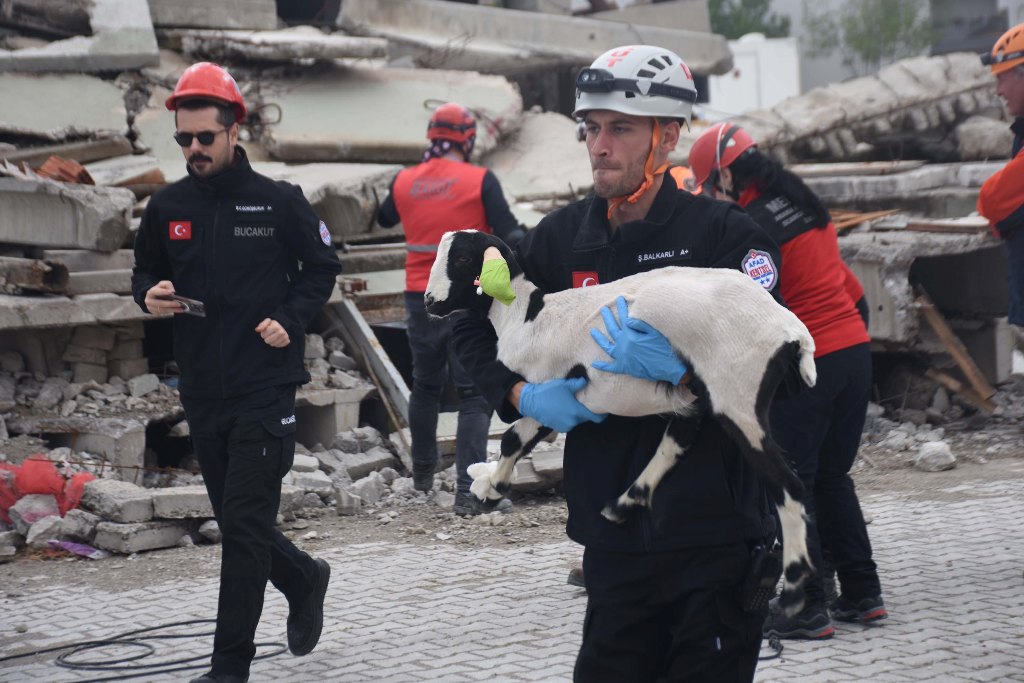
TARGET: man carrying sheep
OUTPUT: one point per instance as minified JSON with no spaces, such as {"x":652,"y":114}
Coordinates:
{"x":662,"y":587}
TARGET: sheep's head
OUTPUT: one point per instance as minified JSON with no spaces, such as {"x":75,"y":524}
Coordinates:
{"x":460,"y":257}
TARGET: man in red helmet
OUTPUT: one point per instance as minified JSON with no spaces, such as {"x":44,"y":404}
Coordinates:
{"x":444,"y":193}
{"x":235,"y":240}
{"x":1001,"y":199}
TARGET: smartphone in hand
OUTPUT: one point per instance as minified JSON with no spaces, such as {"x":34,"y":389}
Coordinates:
{"x":189,"y":306}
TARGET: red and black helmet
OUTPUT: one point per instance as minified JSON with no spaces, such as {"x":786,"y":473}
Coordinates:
{"x":453,"y":122}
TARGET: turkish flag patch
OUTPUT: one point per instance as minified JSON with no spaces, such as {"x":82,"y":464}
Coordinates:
{"x":180,"y":230}
{"x":584,"y":279}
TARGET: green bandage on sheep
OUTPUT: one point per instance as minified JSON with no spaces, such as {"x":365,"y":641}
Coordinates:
{"x":496,"y":281}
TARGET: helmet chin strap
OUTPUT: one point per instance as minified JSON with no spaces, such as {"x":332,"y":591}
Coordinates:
{"x":650,"y":173}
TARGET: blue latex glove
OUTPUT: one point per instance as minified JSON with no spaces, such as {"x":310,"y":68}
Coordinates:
{"x":638,"y":349}
{"x":554,"y":404}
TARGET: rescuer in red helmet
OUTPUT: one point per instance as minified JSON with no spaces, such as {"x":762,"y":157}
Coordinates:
{"x":444,"y":192}
{"x":253,"y":251}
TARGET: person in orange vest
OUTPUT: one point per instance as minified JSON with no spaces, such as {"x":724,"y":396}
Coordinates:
{"x":818,"y":428}
{"x":1001,"y":199}
{"x":444,"y":193}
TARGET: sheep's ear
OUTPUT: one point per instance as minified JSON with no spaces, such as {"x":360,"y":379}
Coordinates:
{"x":495,"y":280}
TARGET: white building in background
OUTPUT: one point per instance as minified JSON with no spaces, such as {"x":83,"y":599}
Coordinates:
{"x":765,"y":72}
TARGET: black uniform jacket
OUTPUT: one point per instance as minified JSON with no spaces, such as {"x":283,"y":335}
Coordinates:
{"x":711,"y":496}
{"x":235,"y":242}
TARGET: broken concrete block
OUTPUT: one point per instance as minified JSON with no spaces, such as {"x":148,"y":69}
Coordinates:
{"x":359,"y":465}
{"x":136,"y":537}
{"x":305,"y":463}
{"x":347,"y":503}
{"x":80,"y":524}
{"x":316,"y":481}
{"x":303,"y":43}
{"x":87,"y":372}
{"x":43,"y":530}
{"x":345,"y":196}
{"x":122,"y":38}
{"x":143,"y":384}
{"x":131,"y":169}
{"x":182,"y":502}
{"x":981,"y":138}
{"x":67,"y":113}
{"x":224,"y":14}
{"x":291,"y":497}
{"x":126,"y":349}
{"x":210,"y":530}
{"x":50,"y":394}
{"x":129,"y":368}
{"x":11,"y":538}
{"x":491,"y":38}
{"x":320,"y":110}
{"x":94,"y":337}
{"x":548,"y":464}
{"x":50,"y":214}
{"x":30,"y":509}
{"x":321,"y":414}
{"x":83,"y":354}
{"x":934,"y":456}
{"x":542,"y":160}
{"x":118,"y":501}
{"x":370,"y":488}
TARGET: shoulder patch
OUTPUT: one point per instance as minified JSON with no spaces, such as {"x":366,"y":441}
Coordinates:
{"x":760,"y":267}
{"x":325,"y":234}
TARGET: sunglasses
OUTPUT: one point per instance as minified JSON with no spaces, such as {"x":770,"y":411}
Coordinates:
{"x":205,"y":137}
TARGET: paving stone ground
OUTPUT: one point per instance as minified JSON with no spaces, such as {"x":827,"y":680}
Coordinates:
{"x":951,"y":566}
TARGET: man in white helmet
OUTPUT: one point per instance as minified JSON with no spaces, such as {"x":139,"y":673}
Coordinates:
{"x":664,"y":588}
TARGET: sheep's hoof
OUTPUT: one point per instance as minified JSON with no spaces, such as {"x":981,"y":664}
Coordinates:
{"x":616,"y":511}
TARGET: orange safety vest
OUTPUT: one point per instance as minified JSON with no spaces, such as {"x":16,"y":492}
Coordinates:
{"x":1002,"y":197}
{"x":433,"y":198}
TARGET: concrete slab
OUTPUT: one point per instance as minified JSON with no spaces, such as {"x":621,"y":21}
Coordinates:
{"x":126,"y":170}
{"x":291,"y":44}
{"x":959,"y":272}
{"x":690,"y":15}
{"x":182,"y":502}
{"x":66,"y":114}
{"x":46,"y":213}
{"x":17,"y":312}
{"x":345,"y":196}
{"x":542,"y":160}
{"x":925,"y":178}
{"x":223,"y":14}
{"x":134,"y":538}
{"x":122,"y":38}
{"x":336,"y":115}
{"x":118,"y":501}
{"x":460,"y":36}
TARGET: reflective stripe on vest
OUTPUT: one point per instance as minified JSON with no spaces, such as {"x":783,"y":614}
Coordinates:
{"x":433,"y":198}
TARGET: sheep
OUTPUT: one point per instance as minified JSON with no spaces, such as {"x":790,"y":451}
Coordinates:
{"x":737,"y":341}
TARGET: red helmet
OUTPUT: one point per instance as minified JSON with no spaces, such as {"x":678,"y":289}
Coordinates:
{"x":208,"y":81}
{"x":452,"y":122}
{"x":716,"y":148}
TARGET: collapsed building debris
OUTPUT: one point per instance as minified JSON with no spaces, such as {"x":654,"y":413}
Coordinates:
{"x":121,"y":37}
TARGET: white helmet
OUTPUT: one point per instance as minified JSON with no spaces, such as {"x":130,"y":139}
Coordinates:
{"x":642,"y":80}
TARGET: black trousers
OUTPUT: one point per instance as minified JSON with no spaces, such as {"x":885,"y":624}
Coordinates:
{"x":668,"y":617}
{"x":820,"y":431}
{"x":432,"y":355}
{"x":245,"y":445}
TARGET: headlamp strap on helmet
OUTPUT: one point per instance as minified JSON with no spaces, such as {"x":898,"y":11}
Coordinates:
{"x":988,"y":59}
{"x":602,"y":80}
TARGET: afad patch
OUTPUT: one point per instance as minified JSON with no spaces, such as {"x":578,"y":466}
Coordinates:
{"x":584,"y":279}
{"x":760,"y":267}
{"x":325,"y":234}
